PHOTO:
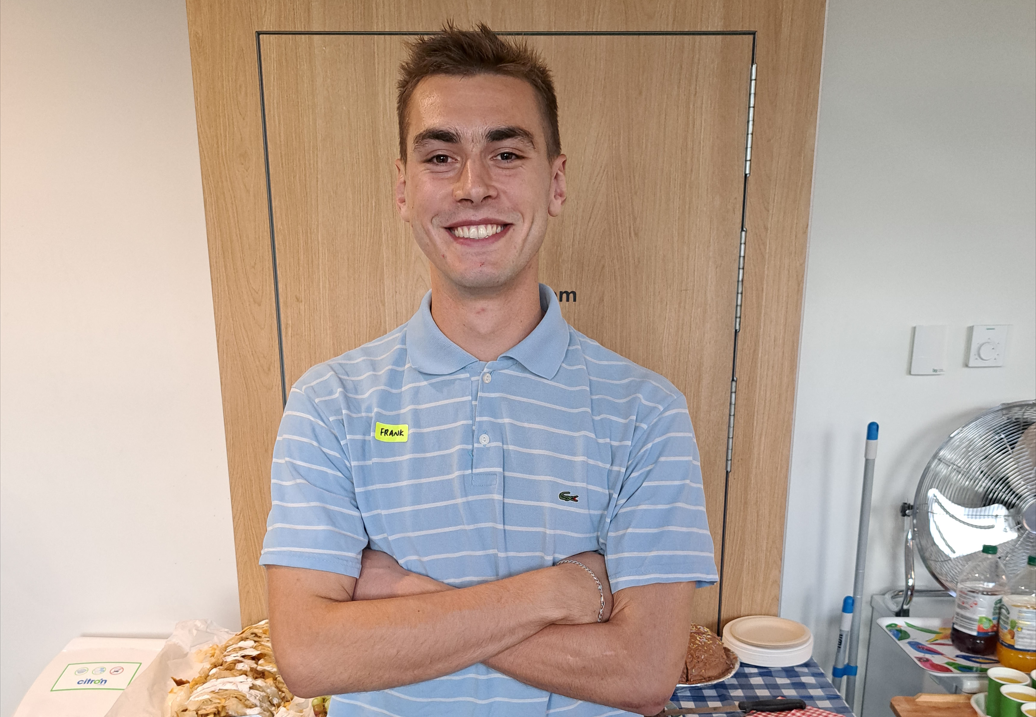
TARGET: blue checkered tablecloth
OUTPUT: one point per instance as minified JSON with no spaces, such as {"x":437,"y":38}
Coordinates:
{"x":806,"y":682}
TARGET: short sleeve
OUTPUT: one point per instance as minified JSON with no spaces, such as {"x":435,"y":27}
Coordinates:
{"x":314,"y":520}
{"x":658,"y":531}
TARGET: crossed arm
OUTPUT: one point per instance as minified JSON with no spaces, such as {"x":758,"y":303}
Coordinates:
{"x":333,"y":634}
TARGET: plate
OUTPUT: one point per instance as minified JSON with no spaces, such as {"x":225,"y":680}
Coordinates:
{"x":727,"y":676}
{"x":768,"y":656}
{"x":769,"y":632}
{"x":978,"y":702}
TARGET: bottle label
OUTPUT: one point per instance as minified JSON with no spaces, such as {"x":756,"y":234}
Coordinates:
{"x":976,"y":613}
{"x":1017,"y":625}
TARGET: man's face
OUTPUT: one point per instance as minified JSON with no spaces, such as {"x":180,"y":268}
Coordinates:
{"x":477,"y":186}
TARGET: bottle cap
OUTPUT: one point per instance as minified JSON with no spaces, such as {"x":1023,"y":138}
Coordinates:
{"x":989,"y":549}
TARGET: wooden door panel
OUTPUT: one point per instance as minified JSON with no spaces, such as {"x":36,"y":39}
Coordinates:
{"x":646,"y":250}
{"x":347,"y":269}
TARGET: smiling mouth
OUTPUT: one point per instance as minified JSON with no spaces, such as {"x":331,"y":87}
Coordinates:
{"x":477,"y":231}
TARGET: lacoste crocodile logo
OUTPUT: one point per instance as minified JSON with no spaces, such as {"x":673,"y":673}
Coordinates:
{"x":564,"y":495}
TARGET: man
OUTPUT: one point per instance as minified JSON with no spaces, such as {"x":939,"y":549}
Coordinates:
{"x":428,"y":486}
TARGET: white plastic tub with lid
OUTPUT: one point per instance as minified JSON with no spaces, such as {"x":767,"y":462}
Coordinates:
{"x":87,"y":676}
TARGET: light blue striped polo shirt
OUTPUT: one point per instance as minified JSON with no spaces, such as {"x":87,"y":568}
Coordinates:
{"x":558,"y":447}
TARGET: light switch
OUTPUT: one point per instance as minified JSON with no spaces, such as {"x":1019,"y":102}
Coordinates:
{"x":928,"y":357}
{"x":988,"y":345}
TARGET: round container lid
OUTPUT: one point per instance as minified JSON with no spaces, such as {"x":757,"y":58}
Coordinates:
{"x":768,"y":657}
{"x":769,"y":632}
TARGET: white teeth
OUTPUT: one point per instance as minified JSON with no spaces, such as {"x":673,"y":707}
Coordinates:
{"x":476,"y":231}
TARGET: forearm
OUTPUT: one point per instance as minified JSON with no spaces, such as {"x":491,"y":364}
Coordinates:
{"x":327,"y":646}
{"x":607,"y":663}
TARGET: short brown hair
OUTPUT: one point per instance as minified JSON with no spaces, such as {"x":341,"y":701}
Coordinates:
{"x":465,"y":53}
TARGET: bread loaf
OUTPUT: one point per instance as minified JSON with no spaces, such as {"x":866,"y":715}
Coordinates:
{"x":707,"y":658}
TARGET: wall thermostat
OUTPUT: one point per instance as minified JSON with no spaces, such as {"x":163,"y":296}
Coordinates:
{"x":988,"y":345}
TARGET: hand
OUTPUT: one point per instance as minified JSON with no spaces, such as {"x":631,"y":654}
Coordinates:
{"x":381,"y":577}
{"x":588,"y":601}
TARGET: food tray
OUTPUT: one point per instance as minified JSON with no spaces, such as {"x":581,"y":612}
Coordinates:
{"x":927,"y":641}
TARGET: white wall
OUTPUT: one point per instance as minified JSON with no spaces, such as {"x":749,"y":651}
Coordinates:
{"x":924,"y":212}
{"x":115,"y":500}
{"x":114,"y":510}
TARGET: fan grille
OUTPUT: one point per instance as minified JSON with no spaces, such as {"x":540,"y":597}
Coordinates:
{"x":980,"y":488}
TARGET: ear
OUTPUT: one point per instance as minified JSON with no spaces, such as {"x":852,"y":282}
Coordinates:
{"x":558,"y":192}
{"x":401,"y":205}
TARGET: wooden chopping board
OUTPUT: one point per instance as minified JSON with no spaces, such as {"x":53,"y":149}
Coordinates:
{"x":932,"y":705}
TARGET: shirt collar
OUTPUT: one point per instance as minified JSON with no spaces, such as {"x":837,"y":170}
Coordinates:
{"x":427,"y":346}
{"x":542,"y":351}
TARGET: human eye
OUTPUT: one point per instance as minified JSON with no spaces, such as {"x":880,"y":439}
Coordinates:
{"x":508,"y":156}
{"x":438,"y":158}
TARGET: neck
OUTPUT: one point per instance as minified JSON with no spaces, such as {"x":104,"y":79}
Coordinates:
{"x":486,"y":324}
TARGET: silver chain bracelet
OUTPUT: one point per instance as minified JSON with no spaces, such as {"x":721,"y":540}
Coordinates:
{"x":600,"y":589}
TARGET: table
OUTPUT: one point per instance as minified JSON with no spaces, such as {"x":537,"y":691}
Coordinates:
{"x":806,"y":682}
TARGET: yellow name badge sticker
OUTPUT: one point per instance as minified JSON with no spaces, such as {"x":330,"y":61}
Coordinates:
{"x":391,"y":434}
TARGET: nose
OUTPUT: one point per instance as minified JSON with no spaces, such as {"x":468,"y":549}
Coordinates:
{"x":474,"y":182}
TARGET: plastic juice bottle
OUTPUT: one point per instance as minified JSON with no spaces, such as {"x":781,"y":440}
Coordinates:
{"x":979,"y":591}
{"x":1017,"y":645}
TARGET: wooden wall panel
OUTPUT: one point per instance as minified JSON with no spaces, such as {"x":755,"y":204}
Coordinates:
{"x":788,"y":54}
{"x":226,"y":93}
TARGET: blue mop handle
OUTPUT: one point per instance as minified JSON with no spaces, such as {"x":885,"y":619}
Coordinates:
{"x":870,"y":454}
{"x":843,"y":640}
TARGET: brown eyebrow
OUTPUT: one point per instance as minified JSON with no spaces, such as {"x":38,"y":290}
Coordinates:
{"x":435,"y":134}
{"x":497,"y":134}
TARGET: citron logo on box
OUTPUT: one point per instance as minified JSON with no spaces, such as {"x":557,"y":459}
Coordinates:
{"x":391,"y":434}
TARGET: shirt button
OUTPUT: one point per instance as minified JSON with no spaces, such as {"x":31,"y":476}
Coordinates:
{"x":487,"y":377}
{"x":484,"y":439}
